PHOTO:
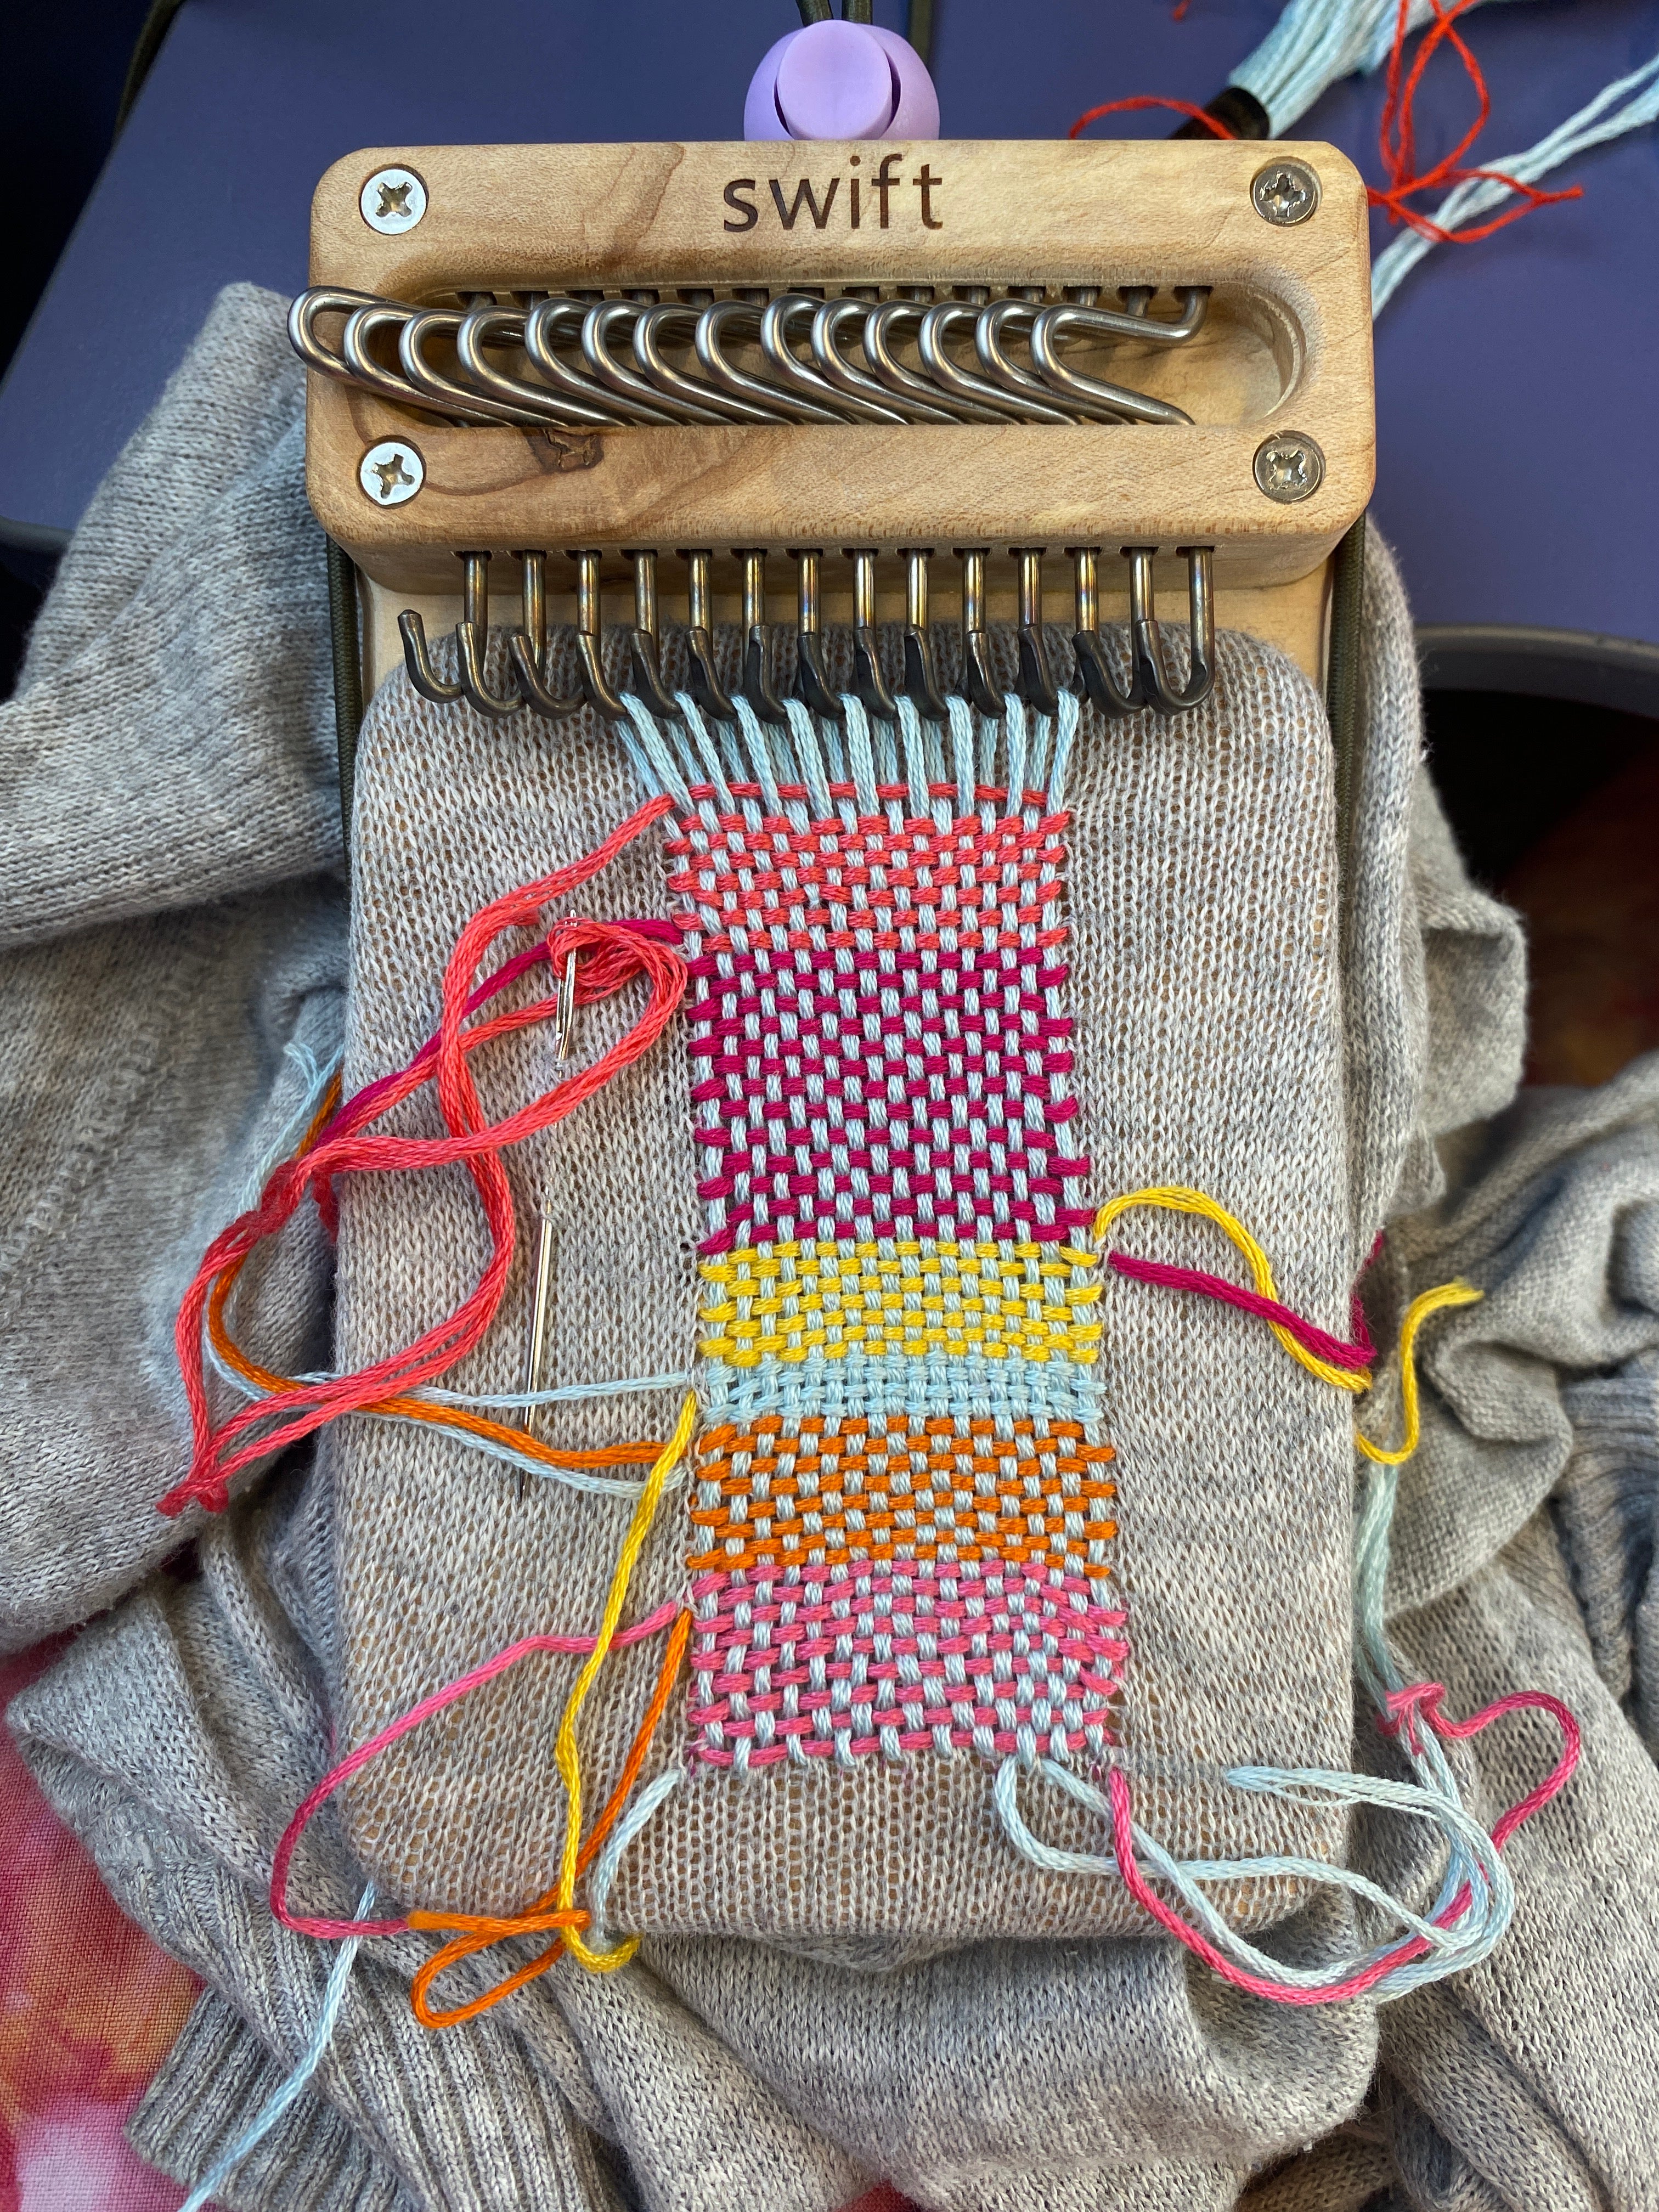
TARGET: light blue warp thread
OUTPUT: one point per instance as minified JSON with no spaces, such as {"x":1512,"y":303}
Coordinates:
{"x":277,"y":2104}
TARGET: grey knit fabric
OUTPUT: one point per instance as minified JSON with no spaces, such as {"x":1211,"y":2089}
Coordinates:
{"x":1020,"y":2075}
{"x":171,"y":742}
{"x":1607,"y":1513}
{"x":176,"y":1737}
{"x":1537,"y":2071}
{"x":1556,"y":1219}
{"x":1435,"y":969}
{"x":172,"y":737}
{"x":1209,"y":1049}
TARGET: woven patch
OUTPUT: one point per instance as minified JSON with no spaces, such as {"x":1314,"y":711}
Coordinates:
{"x":789,"y":1301}
{"x":891,"y":1586}
{"x":881,"y":1062}
{"x":878,"y":1039}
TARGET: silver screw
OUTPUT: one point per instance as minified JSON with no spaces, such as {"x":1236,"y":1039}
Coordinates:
{"x":1289,"y":467}
{"x":392,"y":200}
{"x":390,"y":472}
{"x":1284,"y":192}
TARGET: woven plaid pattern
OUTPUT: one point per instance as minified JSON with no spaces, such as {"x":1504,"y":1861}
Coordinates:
{"x":902,"y":1522}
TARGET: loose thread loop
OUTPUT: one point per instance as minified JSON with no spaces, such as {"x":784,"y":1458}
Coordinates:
{"x":610,"y":955}
{"x":1476,"y":1898}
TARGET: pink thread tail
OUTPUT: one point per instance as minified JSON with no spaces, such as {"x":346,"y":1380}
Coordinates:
{"x":304,"y":1924}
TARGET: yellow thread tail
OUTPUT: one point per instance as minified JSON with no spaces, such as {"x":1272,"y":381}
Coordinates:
{"x":1447,"y":1294}
{"x":565,"y":1753}
{"x":1177,"y":1198}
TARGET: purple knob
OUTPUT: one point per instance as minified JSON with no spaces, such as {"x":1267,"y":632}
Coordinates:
{"x":839,"y":80}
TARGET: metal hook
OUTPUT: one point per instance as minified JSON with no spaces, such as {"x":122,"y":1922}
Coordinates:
{"x":839,"y":406}
{"x":703,"y":681}
{"x":699,"y":400}
{"x":961,"y":383}
{"x":755,"y":684}
{"x":984,"y":692}
{"x":868,"y":680}
{"x":361,"y":325}
{"x":1095,"y":671}
{"x":590,"y":665}
{"x":492,"y":325}
{"x":776,"y":406}
{"x":645,"y":653}
{"x":855,"y":383}
{"x":528,"y":645}
{"x":879,"y":326}
{"x":557,"y":321}
{"x":638,"y":398}
{"x":1152,"y":685}
{"x":435,"y":389}
{"x":920,"y":680}
{"x":472,"y":638}
{"x":1092,"y":395}
{"x":417,"y":659}
{"x":811,"y":679}
{"x":1034,"y":683}
{"x":989,"y":327}
{"x":323,"y":300}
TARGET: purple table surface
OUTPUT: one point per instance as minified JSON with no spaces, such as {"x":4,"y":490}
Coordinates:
{"x":1519,"y":434}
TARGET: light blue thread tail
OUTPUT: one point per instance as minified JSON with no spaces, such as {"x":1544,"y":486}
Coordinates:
{"x":1473,"y":1860}
{"x":334,"y":1992}
{"x":318,"y":1075}
{"x":1593,"y":125}
{"x":605,"y":1871}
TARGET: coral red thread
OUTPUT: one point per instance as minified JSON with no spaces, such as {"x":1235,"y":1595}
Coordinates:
{"x":305,"y":1925}
{"x":1217,"y":129}
{"x":1397,"y":136}
{"x":608,"y":954}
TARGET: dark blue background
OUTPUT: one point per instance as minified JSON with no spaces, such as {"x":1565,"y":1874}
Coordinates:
{"x":1519,"y":434}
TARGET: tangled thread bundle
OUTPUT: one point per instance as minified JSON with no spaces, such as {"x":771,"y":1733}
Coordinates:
{"x":608,"y":955}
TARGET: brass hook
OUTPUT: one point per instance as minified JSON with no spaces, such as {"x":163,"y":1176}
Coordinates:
{"x":868,"y":680}
{"x":920,"y":679}
{"x":1151,"y":683}
{"x":528,"y":644}
{"x":811,"y":678}
{"x":984,"y":692}
{"x":755,"y":686}
{"x":1034,"y":683}
{"x":1096,"y":674}
{"x":704,"y":684}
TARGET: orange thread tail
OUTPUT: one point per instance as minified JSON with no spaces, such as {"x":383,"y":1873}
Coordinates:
{"x":414,"y":1409}
{"x":477,"y":1932}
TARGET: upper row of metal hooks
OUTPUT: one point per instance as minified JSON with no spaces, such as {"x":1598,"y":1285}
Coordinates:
{"x":1095,"y":673}
{"x":603,"y":363}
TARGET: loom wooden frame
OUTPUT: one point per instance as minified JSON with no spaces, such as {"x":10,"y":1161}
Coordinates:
{"x":537,"y":217}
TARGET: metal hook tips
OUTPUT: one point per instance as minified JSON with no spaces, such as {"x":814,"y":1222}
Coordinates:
{"x":703,"y":682}
{"x":589,"y":641}
{"x":1096,"y":675}
{"x":920,"y":680}
{"x":1035,"y":684}
{"x":645,"y":651}
{"x":1151,"y":683}
{"x":978,"y":681}
{"x":811,"y":679}
{"x":869,"y":683}
{"x":756,"y":685}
